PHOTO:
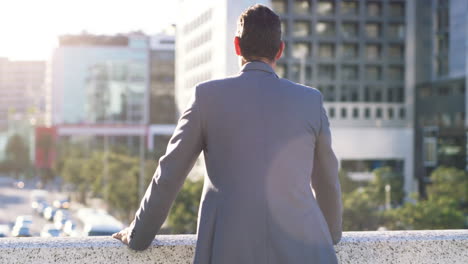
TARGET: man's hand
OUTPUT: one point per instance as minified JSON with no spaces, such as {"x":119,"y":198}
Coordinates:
{"x":123,"y":235}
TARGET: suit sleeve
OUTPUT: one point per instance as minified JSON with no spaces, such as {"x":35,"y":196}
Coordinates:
{"x":182,"y":151}
{"x":325,"y":181}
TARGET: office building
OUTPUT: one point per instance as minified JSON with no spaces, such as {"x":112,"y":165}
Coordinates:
{"x":21,"y":91}
{"x":98,"y":89}
{"x":358,"y":53}
{"x":441,"y":102}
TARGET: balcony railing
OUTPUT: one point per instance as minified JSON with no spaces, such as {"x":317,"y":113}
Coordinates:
{"x":432,"y":246}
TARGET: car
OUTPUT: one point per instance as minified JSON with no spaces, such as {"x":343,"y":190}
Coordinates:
{"x":69,"y":228}
{"x":41,"y":207}
{"x":100,"y":229}
{"x":24,"y":220}
{"x":62,"y":204}
{"x":21,"y":231}
{"x":60,"y":217}
{"x":50,"y":231}
{"x":49,"y":213}
{"x":4,"y":230}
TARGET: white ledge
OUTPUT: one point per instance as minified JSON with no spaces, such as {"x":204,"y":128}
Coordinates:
{"x":431,"y":246}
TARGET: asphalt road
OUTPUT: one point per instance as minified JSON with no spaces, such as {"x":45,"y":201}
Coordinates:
{"x":15,"y":202}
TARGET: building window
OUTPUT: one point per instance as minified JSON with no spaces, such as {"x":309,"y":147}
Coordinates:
{"x":372,"y":30}
{"x":349,"y":8}
{"x":390,"y":113}
{"x":349,"y":30}
{"x":301,"y":50}
{"x":325,"y":29}
{"x":344,"y":112}
{"x":349,"y":73}
{"x":402,"y":113}
{"x":396,"y":9}
{"x":328,"y":92}
{"x":325,"y":8}
{"x":373,"y":9}
{"x":378,"y":112}
{"x":373,"y":73}
{"x":326,"y":72}
{"x":396,"y":31}
{"x":395,"y":52}
{"x":400,"y":96}
{"x":367,"y":113}
{"x":372,"y":52}
{"x":355,"y":113}
{"x":331,"y":111}
{"x":279,"y":6}
{"x":395,"y":73}
{"x":301,"y":29}
{"x":377,"y":95}
{"x":390,"y":95}
{"x":302,"y":7}
{"x":326,"y":51}
{"x":349,"y":51}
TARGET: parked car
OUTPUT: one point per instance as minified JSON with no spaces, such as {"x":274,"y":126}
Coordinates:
{"x":4,"y":230}
{"x":21,"y":231}
{"x":49,"y":213}
{"x":50,"y":231}
{"x":41,"y":207}
{"x":61,"y":216}
{"x":23,"y":220}
{"x":69,"y":228}
{"x":100,"y":229}
{"x":62,"y":204}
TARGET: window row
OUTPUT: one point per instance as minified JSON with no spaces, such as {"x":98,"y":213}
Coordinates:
{"x":198,"y":21}
{"x":372,"y":30}
{"x":369,"y":94}
{"x":366,"y":113}
{"x":330,"y":50}
{"x":198,"y":41}
{"x":345,"y":8}
{"x":198,"y":60}
{"x":351,"y":72}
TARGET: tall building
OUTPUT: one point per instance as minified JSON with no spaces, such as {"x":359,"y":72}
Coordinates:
{"x":98,"y":89}
{"x":162,"y":60}
{"x":358,"y":53}
{"x":441,"y":99}
{"x":21,"y":91}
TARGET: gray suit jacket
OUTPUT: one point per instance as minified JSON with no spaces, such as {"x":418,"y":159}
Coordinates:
{"x":271,"y":194}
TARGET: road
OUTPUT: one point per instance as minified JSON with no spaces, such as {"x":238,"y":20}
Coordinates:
{"x":15,"y":202}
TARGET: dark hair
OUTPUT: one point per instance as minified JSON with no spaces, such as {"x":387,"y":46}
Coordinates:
{"x":259,"y":30}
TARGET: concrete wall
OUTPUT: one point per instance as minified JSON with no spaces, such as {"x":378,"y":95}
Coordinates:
{"x":444,"y":246}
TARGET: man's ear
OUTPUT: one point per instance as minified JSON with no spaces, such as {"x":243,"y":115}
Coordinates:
{"x":237,"y":46}
{"x":280,"y":51}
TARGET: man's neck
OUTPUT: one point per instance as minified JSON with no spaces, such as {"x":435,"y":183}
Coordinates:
{"x":271,"y":63}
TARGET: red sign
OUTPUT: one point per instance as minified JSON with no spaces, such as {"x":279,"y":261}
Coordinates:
{"x":46,"y":138}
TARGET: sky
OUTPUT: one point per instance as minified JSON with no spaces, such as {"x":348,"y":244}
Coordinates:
{"x":29,"y":28}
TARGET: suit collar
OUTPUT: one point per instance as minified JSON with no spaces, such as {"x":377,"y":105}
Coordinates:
{"x":257,"y":66}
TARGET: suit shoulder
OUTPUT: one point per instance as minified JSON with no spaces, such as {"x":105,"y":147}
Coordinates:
{"x":308,"y":90}
{"x":216,"y":82}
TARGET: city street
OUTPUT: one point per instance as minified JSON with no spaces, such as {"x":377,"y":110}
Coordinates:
{"x":15,"y":202}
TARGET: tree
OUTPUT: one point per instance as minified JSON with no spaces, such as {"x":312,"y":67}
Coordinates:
{"x":17,"y":155}
{"x":184,"y":212}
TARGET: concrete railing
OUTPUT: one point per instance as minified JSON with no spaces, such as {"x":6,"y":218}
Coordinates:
{"x":444,"y":246}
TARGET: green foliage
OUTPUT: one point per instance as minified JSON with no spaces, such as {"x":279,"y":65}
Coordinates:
{"x":359,"y":210}
{"x":183,"y":216}
{"x":363,"y":203}
{"x":451,"y":183}
{"x":17,"y":156}
{"x":382,"y":177}
{"x":444,"y":208}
